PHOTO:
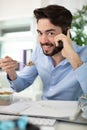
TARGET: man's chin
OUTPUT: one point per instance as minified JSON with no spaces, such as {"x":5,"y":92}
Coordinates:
{"x":54,"y":52}
{"x":48,"y":54}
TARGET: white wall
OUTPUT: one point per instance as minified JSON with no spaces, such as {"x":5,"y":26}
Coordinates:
{"x":24,"y":8}
{"x":17,"y":8}
{"x":72,"y":5}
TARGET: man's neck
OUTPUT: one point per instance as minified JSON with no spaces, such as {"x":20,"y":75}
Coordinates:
{"x":57,"y":59}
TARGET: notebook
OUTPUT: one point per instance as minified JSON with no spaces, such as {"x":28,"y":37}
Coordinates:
{"x":51,"y":108}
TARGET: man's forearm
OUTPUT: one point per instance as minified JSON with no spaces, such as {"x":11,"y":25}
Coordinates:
{"x":12,"y":76}
{"x":75,"y":60}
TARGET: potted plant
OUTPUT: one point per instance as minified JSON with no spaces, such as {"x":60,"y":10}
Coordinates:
{"x":79,"y":26}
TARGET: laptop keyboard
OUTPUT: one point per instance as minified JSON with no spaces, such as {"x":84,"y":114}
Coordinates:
{"x":42,"y":121}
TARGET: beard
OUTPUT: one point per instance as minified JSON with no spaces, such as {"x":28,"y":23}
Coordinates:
{"x":55,"y":50}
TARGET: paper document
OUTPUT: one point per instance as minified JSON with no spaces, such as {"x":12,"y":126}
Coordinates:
{"x":54,"y":109}
{"x":16,"y":107}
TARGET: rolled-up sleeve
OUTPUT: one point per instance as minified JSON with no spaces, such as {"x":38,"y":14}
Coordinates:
{"x":24,"y":79}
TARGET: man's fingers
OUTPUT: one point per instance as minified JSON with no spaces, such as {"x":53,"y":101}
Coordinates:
{"x":8,"y":58}
{"x":68,"y":33}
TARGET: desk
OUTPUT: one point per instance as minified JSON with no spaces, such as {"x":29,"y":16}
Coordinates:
{"x":70,"y":126}
{"x":60,"y":124}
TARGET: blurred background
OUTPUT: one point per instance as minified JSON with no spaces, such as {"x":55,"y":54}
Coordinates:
{"x":18,"y":36}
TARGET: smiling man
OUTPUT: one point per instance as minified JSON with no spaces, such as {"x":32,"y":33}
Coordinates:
{"x":46,"y":34}
{"x":61,"y":64}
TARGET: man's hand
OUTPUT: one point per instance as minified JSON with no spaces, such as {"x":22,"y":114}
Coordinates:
{"x":68,"y":51}
{"x":9,"y":66}
{"x":67,"y":43}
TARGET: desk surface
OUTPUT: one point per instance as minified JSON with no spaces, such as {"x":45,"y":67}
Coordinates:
{"x":70,"y":126}
{"x":60,"y":124}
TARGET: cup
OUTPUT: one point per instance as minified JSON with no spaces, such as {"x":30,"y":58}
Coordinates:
{"x":83,"y":105}
{"x":6,"y":96}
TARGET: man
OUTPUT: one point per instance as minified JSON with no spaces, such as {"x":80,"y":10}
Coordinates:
{"x":61,"y":64}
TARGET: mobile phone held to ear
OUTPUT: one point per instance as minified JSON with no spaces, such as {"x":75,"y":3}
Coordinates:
{"x":60,"y":47}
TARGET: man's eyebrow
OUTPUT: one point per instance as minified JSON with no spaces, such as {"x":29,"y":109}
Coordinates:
{"x":49,"y":30}
{"x":38,"y":30}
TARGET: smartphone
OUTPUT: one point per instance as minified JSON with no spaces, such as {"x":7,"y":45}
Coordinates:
{"x":60,"y":47}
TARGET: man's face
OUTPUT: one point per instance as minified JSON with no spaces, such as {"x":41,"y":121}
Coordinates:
{"x":46,"y":33}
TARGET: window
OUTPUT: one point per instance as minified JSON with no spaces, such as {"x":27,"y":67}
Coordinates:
{"x":17,"y":39}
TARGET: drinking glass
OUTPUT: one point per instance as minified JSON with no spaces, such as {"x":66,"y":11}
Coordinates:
{"x":83,"y":105}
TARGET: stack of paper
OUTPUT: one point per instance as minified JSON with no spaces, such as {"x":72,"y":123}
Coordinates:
{"x":52,"y":109}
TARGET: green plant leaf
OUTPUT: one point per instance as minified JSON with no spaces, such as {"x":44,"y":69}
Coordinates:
{"x":79,"y":24}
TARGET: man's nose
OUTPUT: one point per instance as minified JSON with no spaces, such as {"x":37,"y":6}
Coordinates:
{"x":44,"y":39}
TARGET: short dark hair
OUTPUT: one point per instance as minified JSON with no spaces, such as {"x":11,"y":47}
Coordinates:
{"x":58,"y":15}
